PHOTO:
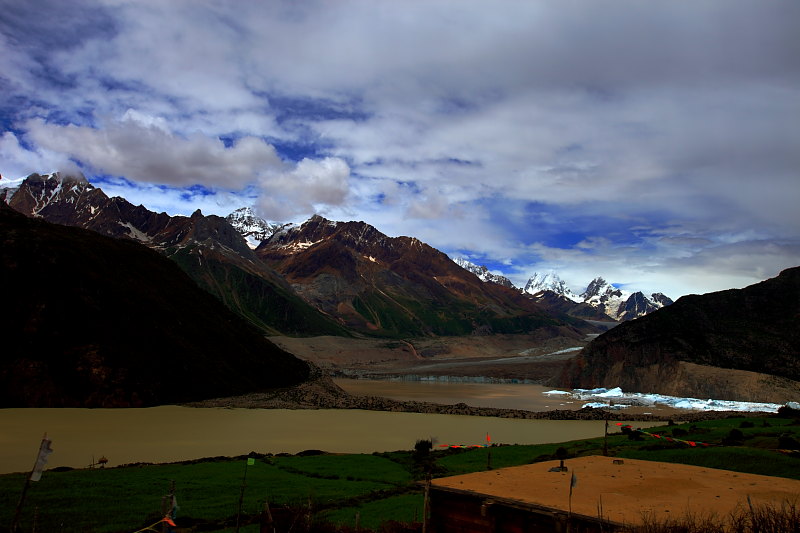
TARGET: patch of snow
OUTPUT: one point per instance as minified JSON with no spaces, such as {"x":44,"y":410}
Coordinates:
{"x":300,"y":246}
{"x":252,"y":242}
{"x":136,"y":233}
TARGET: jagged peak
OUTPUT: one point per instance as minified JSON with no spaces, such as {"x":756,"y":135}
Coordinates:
{"x":549,"y":281}
{"x":482,"y":272}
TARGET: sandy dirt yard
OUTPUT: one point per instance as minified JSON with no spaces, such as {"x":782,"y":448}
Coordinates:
{"x":630,"y":491}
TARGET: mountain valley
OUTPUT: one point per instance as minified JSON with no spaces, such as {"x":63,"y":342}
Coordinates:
{"x":353,"y":301}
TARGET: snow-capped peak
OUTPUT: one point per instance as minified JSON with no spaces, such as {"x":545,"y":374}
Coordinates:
{"x":252,"y":227}
{"x":549,"y":281}
{"x":482,"y":272}
{"x":600,"y":291}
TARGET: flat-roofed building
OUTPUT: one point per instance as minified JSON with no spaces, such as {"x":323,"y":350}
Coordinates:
{"x":534,"y":498}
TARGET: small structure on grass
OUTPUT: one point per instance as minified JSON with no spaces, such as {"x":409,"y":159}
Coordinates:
{"x":598,"y":494}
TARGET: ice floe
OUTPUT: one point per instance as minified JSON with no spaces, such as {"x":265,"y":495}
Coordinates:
{"x":617,"y":399}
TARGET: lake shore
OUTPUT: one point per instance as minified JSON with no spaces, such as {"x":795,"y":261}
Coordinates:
{"x":323,"y":393}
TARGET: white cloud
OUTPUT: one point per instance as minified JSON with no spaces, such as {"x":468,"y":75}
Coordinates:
{"x":19,"y":161}
{"x":309,"y":187}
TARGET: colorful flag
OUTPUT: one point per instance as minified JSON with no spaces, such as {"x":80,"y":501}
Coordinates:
{"x":250,"y":461}
{"x":41,"y":461}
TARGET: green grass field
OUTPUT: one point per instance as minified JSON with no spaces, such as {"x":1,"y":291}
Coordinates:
{"x":337,"y":488}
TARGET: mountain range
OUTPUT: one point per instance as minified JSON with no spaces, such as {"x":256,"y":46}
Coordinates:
{"x":600,"y":301}
{"x":318,"y":278}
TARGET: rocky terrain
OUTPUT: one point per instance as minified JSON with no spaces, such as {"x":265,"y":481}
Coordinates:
{"x":322,"y":393}
{"x":399,"y":286}
{"x":92,"y":321}
{"x":741,"y":344}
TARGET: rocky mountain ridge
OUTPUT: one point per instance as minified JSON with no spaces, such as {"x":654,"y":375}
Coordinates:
{"x":600,"y":301}
{"x":391,"y":285}
{"x":741,"y":344}
{"x":483,"y":273}
{"x":208,"y":248}
{"x":320,"y":278}
{"x":93,"y":321}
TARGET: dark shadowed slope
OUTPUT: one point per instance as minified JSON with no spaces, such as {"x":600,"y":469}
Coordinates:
{"x":93,"y":321}
{"x":755,"y":329}
{"x":208,"y":248}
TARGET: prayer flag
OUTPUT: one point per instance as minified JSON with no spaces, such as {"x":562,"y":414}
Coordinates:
{"x":250,"y":461}
{"x":41,"y":461}
{"x":573,"y":481}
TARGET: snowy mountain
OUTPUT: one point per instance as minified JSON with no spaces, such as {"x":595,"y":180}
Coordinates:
{"x":619,"y":304}
{"x":600,"y":301}
{"x":600,"y":298}
{"x":549,"y":282}
{"x":252,"y":227}
{"x":483,"y":273}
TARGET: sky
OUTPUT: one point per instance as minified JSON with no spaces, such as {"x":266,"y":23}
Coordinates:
{"x":655,"y":144}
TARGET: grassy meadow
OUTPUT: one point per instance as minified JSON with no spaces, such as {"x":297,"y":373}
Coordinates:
{"x":330,"y":491}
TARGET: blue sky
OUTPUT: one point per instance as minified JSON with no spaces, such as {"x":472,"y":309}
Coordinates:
{"x":656,"y":144}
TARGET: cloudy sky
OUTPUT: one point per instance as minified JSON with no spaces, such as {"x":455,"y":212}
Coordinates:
{"x":655,"y":143}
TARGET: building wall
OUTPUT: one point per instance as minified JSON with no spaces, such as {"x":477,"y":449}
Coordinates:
{"x":464,"y":512}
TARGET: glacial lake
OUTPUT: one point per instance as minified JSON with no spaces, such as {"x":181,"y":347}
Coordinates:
{"x":173,"y":433}
{"x":499,"y":395}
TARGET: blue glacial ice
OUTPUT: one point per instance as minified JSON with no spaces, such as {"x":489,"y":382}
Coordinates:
{"x":617,"y":399}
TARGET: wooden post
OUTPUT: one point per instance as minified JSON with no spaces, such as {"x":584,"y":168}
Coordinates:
{"x":605,"y":439}
{"x":241,"y":494}
{"x":41,"y":457}
{"x":426,"y":503}
{"x":18,"y":511}
{"x":166,"y":504}
{"x":267,"y":524}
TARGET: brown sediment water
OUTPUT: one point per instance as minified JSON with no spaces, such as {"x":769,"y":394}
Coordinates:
{"x":525,"y":396}
{"x":173,"y":433}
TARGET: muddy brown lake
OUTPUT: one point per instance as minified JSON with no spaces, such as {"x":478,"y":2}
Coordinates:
{"x":173,"y":433}
{"x":525,"y":396}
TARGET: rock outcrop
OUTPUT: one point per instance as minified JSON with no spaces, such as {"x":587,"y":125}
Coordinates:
{"x":739,"y":344}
